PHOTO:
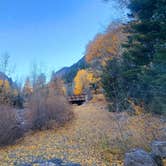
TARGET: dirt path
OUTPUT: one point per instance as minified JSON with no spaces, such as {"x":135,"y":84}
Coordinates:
{"x":76,"y":142}
{"x":83,"y":141}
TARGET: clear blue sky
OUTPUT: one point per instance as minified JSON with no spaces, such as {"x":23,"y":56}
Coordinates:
{"x":51,"y":32}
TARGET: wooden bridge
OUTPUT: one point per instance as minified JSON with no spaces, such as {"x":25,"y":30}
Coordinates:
{"x":77,"y":99}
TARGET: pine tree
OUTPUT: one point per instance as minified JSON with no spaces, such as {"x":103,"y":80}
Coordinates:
{"x":145,"y":56}
{"x":140,"y":76}
{"x":113,"y":85}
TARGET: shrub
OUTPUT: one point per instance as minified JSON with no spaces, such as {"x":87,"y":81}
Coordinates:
{"x":58,"y":109}
{"x":10,"y":129}
{"x":38,"y":110}
{"x":48,"y":110}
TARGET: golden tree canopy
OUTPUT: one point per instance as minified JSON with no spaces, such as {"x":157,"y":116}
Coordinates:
{"x":5,"y":84}
{"x":104,"y":46}
{"x":82,"y":81}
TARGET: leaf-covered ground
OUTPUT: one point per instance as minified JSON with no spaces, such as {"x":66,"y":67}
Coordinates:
{"x":94,"y":138}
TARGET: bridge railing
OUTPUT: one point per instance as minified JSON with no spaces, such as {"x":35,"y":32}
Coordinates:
{"x":77,"y":98}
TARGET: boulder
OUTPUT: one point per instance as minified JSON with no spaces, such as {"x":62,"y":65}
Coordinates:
{"x":159,"y":148}
{"x":52,"y":162}
{"x":46,"y":164}
{"x":138,"y":157}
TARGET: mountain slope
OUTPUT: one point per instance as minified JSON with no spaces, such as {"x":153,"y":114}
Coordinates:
{"x":68,"y":73}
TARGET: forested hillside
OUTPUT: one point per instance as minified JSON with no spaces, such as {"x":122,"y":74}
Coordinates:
{"x":129,"y":60}
{"x":68,"y":73}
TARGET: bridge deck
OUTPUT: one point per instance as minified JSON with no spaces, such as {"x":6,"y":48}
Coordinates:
{"x":76,"y":98}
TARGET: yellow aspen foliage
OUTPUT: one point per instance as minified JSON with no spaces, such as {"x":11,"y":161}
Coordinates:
{"x":64,"y":90}
{"x":82,"y":81}
{"x":91,"y":78}
{"x":27,"y":87}
{"x":104,"y":46}
{"x":5,"y":84}
{"x":137,"y":109}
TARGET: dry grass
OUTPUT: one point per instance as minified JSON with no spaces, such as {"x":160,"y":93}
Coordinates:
{"x":95,"y":137}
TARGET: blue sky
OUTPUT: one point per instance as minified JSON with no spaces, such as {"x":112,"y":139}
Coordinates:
{"x":51,"y":32}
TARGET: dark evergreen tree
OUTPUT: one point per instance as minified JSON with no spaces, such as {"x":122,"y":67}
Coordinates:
{"x":143,"y":67}
{"x":113,"y":85}
{"x":145,"y":55}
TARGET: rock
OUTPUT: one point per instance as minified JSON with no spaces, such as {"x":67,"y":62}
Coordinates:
{"x":52,"y":162}
{"x":157,"y":159}
{"x":47,"y":164}
{"x":72,"y":164}
{"x":57,"y":161}
{"x":139,"y":157}
{"x":163,"y":130}
{"x":159,"y":148}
